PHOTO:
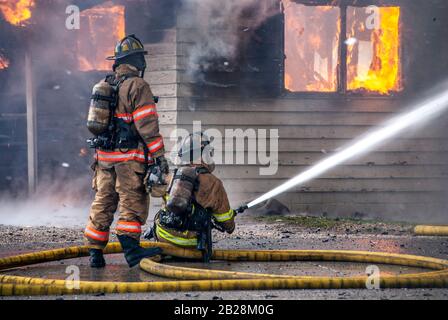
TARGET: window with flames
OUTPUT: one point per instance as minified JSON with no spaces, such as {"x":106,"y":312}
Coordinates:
{"x":103,"y":26}
{"x":331,"y":48}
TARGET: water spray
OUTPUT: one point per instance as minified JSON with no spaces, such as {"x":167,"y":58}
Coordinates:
{"x":418,"y":114}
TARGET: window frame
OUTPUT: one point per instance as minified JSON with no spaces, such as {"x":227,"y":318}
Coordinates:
{"x":342,"y":90}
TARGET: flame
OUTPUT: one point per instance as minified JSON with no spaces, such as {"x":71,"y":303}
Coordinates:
{"x":4,"y":62}
{"x":16,"y":12}
{"x":311,"y":47}
{"x":102,"y":27}
{"x":373,"y":63}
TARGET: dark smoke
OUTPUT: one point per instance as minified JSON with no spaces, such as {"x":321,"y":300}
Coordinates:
{"x":216,"y":30}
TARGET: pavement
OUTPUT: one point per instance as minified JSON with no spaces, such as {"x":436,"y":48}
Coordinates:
{"x":252,"y":233}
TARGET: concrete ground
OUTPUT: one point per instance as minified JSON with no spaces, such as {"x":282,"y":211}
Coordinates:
{"x":273,"y":232}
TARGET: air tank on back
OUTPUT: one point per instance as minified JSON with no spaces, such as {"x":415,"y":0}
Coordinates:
{"x":181,"y":190}
{"x":103,"y":95}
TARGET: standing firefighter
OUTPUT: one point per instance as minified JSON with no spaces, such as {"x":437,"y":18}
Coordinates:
{"x":123,"y":117}
{"x":195,"y":202}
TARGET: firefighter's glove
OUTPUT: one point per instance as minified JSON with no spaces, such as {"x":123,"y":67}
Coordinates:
{"x":163,"y":164}
{"x":155,"y":180}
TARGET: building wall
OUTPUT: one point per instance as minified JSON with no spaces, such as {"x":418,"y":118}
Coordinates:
{"x":404,"y":179}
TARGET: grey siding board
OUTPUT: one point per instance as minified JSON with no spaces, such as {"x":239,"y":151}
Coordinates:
{"x":331,"y":145}
{"x":340,"y":185}
{"x":247,"y":117}
{"x":374,"y":158}
{"x":341,"y":172}
{"x":290,"y":104}
{"x":436,"y":130}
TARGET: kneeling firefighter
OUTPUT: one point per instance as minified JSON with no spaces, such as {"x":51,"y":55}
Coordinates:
{"x":195,"y":202}
{"x":123,"y":118}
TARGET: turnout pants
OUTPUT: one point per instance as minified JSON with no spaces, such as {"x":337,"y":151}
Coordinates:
{"x":117,"y":187}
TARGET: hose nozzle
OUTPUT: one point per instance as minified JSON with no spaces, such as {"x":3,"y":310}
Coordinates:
{"x":242,"y":208}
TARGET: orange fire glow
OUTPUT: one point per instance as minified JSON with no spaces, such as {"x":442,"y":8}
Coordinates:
{"x":102,"y":27}
{"x":311,"y":47}
{"x":4,"y":63}
{"x":16,"y":12}
{"x":373,"y":61}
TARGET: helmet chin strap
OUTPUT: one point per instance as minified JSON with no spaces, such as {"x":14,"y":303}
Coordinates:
{"x":144,"y":66}
{"x":142,"y":73}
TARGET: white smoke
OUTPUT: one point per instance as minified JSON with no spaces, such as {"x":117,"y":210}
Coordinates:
{"x":42,"y":212}
{"x":58,"y":204}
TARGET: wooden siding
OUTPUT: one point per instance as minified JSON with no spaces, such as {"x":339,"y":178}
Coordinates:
{"x":403,"y":179}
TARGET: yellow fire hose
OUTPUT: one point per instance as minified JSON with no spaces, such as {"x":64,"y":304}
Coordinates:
{"x":431,"y":230}
{"x":190,"y":279}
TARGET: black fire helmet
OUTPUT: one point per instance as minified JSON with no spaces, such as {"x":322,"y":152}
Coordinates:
{"x":127,"y":46}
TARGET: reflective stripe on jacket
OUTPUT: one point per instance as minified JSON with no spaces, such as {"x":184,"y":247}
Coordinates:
{"x":117,"y":156}
{"x":144,"y":111}
{"x":136,"y":107}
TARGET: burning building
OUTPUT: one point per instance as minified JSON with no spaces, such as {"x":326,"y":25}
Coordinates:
{"x":322,"y":72}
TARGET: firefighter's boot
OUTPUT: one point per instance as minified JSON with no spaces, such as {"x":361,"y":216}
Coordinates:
{"x":133,"y":253}
{"x":97,"y":258}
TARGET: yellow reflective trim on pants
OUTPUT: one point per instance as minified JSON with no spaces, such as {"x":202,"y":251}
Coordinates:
{"x":175,"y":239}
{"x":223,"y":217}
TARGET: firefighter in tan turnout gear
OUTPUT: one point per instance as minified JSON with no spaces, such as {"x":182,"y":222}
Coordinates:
{"x":127,"y":140}
{"x":194,"y":198}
